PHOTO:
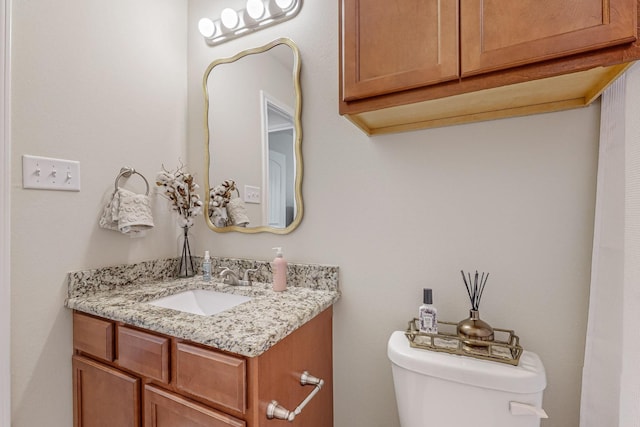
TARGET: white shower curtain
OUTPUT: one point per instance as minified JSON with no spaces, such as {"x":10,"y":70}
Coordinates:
{"x":611,"y":374}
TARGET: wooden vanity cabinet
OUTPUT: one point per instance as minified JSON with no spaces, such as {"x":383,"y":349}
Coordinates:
{"x":396,"y":58}
{"x":159,"y":381}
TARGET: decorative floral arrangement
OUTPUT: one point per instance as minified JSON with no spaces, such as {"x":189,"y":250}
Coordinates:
{"x":180,"y":188}
{"x":220,"y":195}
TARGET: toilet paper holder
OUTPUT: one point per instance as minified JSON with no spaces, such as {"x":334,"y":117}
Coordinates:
{"x":277,"y":411}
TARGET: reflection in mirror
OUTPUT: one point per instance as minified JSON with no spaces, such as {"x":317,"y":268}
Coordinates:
{"x":254,"y":137}
{"x":278,"y":140}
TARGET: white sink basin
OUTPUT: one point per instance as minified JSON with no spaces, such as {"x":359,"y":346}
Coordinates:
{"x":200,"y":301}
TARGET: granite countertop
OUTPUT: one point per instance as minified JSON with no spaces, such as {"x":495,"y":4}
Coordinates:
{"x":122,"y":294}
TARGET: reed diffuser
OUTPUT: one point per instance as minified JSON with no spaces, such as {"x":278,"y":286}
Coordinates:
{"x":473,"y":327}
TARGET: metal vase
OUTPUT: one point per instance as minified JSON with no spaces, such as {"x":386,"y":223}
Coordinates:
{"x":475,"y":329}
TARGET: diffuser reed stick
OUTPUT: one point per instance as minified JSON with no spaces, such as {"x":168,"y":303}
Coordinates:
{"x":475,"y":289}
{"x":474,"y":328}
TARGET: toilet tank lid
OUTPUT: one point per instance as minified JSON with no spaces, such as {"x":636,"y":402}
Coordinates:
{"x":528,"y":377}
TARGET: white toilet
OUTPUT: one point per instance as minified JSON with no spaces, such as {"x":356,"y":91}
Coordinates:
{"x":435,"y":389}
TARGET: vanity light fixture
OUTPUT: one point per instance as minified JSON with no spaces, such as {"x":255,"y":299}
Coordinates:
{"x":257,"y":14}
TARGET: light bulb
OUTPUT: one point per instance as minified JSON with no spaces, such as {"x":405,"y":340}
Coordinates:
{"x":285,"y":4}
{"x":255,"y":9}
{"x":229,"y":18}
{"x":207,"y":28}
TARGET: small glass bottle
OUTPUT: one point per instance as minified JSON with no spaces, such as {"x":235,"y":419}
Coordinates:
{"x":428,"y":314}
{"x":206,"y":267}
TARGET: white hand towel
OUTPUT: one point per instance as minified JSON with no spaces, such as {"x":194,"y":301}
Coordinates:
{"x":135,"y":212}
{"x":237,"y":212}
{"x":219,"y":217}
{"x":107,"y":219}
{"x":128,"y":213}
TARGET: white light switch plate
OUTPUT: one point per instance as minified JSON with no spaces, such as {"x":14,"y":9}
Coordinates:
{"x":252,"y":194}
{"x":46,"y":173}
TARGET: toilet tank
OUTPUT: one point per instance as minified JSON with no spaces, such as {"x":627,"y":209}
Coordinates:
{"x":437,"y":389}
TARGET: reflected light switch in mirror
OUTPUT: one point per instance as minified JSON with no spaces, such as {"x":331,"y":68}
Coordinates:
{"x":252,"y":194}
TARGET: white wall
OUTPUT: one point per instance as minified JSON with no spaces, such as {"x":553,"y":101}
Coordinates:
{"x":397,"y":213}
{"x":103,"y":83}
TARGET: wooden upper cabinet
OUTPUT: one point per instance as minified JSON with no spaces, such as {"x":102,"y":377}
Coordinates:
{"x":499,"y":34}
{"x":396,"y":45}
{"x":415,"y":64}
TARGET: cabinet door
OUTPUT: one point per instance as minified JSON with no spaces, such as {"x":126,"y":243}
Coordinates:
{"x":388,"y":46}
{"x":497,"y":34}
{"x":103,"y":396}
{"x":165,"y":409}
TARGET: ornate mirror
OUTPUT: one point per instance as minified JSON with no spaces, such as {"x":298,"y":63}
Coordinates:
{"x":253,"y":141}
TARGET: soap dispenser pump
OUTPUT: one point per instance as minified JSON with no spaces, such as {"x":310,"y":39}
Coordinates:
{"x":279,"y":267}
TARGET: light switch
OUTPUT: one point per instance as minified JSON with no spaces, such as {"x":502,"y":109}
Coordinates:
{"x":252,"y":194}
{"x":46,"y":173}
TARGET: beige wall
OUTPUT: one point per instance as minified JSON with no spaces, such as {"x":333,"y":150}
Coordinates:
{"x":106,"y":85}
{"x":398,"y":213}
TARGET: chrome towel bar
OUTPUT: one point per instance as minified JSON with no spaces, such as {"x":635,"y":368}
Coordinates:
{"x":275,"y":410}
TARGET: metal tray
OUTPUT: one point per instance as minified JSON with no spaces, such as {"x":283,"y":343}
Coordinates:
{"x":505,"y":348}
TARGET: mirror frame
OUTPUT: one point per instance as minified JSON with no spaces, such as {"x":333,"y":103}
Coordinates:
{"x":297,"y":123}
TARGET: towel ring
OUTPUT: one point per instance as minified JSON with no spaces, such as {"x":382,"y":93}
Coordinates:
{"x":127,"y":172}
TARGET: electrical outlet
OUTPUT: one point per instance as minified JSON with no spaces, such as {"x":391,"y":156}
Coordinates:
{"x":252,"y":194}
{"x":45,"y":173}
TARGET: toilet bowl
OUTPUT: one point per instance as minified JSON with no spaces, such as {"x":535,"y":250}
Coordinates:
{"x":437,"y":389}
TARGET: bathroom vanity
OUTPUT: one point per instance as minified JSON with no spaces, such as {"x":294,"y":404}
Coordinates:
{"x":135,"y":364}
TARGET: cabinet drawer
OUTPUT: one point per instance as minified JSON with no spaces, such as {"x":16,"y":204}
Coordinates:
{"x":171,"y":410}
{"x":93,"y":336}
{"x":214,"y":376}
{"x":144,"y":353}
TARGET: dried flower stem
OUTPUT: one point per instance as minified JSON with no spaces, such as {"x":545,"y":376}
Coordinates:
{"x":180,"y":188}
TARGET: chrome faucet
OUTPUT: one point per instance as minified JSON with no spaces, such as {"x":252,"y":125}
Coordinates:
{"x":230,"y":277}
{"x":245,"y":278}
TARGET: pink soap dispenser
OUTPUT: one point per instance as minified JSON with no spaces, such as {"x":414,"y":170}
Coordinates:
{"x":279,"y":268}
